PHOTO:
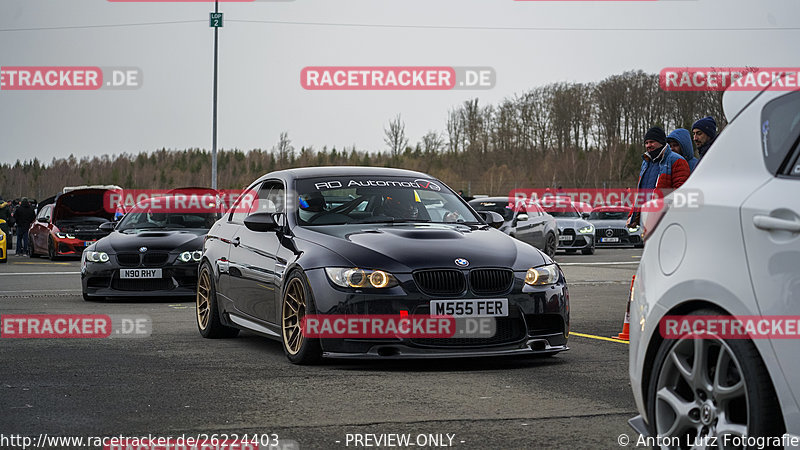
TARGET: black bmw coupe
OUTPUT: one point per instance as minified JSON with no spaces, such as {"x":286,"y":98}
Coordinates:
{"x":150,"y":252}
{"x":365,"y":262}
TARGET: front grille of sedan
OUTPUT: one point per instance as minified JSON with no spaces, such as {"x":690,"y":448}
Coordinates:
{"x":152,"y":284}
{"x":89,"y":235}
{"x":440,"y":282}
{"x":490,"y":281}
{"x":615,"y":232}
{"x":128,"y":259}
{"x":155,"y":259}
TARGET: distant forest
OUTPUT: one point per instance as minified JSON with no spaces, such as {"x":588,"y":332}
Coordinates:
{"x":563,"y":134}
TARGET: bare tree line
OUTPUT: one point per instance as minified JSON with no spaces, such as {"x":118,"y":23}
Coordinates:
{"x":562,"y":134}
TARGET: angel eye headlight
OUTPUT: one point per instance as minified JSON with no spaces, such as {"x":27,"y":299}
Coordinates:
{"x":587,"y":229}
{"x":360,"y":278}
{"x":61,"y":235}
{"x":185,"y":257}
{"x":197,"y":255}
{"x":97,"y":257}
{"x":540,"y":276}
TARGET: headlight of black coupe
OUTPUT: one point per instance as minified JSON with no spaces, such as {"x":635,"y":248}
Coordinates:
{"x":541,"y":276}
{"x":353,"y":277}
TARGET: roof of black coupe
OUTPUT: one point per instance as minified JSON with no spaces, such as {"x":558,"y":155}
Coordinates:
{"x":323,"y":171}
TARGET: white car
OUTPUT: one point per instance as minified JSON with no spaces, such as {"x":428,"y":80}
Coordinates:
{"x":737,"y":254}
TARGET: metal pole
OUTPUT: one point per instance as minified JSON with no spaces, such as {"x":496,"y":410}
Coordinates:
{"x":214,"y":120}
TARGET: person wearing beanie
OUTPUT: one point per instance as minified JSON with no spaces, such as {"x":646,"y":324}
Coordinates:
{"x":661,"y":167}
{"x":704,"y":132}
{"x":680,"y":141}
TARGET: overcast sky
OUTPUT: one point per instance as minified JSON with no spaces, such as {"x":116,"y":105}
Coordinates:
{"x":528,"y":43}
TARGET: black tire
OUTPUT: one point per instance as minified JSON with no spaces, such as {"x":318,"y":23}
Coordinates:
{"x":588,"y":251}
{"x":752,"y":408}
{"x":550,"y":245}
{"x":298,"y":348}
{"x":51,"y":250}
{"x":207,"y":310}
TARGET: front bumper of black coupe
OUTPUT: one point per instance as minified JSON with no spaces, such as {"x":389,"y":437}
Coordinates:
{"x":537,"y":321}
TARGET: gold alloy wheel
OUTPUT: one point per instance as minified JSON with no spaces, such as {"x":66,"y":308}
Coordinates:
{"x":294,"y":309}
{"x":203,"y":299}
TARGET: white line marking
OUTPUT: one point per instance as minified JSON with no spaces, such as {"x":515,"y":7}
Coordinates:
{"x":40,"y":273}
{"x":600,"y":263}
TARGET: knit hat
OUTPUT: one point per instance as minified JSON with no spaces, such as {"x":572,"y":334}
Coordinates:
{"x":707,"y":125}
{"x":656,"y":134}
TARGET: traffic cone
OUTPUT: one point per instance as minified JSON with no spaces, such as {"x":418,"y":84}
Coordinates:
{"x":626,"y":324}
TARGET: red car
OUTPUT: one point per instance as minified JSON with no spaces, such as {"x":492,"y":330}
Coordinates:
{"x":67,"y":226}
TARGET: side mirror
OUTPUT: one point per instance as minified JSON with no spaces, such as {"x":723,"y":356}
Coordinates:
{"x":107,"y":226}
{"x":43,"y":219}
{"x":522,"y":217}
{"x":261,"y":221}
{"x":585,"y":215}
{"x":492,"y":218}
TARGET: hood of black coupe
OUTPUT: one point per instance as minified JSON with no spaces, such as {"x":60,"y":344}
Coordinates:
{"x":404,"y":248}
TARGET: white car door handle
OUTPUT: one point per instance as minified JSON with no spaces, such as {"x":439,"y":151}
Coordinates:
{"x":773,"y":223}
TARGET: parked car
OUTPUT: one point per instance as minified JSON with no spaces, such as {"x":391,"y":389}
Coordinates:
{"x":148,"y":253}
{"x":574,"y":231}
{"x":69,"y":224}
{"x":403,"y":243}
{"x":735,"y":256}
{"x":3,"y":245}
{"x":528,"y":223}
{"x":611,"y":229}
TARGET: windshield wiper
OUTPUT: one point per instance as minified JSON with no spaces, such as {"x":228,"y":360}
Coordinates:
{"x":391,"y":220}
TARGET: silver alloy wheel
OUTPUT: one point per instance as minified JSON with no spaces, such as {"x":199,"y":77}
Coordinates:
{"x":701,"y":392}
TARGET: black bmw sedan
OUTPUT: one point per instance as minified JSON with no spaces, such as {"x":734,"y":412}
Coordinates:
{"x":365,"y":262}
{"x":150,"y":252}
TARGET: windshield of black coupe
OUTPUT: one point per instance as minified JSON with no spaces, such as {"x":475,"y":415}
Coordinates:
{"x":369,"y":199}
{"x":145,"y":218}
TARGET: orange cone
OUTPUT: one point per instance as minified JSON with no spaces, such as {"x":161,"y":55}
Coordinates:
{"x":626,"y":324}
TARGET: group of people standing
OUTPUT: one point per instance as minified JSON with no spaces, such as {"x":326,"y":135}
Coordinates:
{"x":668,"y":160}
{"x":23,"y":215}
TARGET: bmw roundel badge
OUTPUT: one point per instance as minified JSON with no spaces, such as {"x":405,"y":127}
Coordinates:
{"x":142,"y":249}
{"x":461,"y":262}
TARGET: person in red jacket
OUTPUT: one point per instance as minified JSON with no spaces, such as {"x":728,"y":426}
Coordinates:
{"x":661,"y":167}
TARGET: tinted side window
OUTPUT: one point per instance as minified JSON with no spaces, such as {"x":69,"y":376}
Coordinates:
{"x":45,"y":212}
{"x":244,"y":205}
{"x":780,"y":128}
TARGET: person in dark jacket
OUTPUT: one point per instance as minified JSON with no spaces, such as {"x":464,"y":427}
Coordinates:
{"x":24,"y":216}
{"x":661,"y":167}
{"x":681,"y":143}
{"x":704,"y":132}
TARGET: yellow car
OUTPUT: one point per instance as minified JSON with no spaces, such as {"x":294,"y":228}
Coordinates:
{"x":3,"y":246}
